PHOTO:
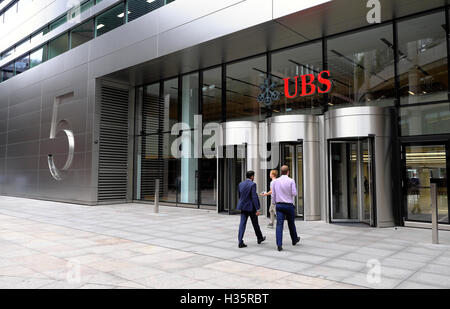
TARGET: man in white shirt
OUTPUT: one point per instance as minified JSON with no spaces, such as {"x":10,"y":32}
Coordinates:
{"x":284,"y":190}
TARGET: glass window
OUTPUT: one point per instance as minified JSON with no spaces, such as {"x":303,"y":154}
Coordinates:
{"x":425,"y":119}
{"x":208,"y":181}
{"x":78,"y":9}
{"x":38,"y":56}
{"x":156,"y":162}
{"x":424,"y":163}
{"x":152,"y":110}
{"x":8,"y":71}
{"x":189,"y":104}
{"x":87,"y":5}
{"x":82,"y":34}
{"x":60,"y":21}
{"x":212,"y":95}
{"x":137,"y":8}
{"x":188,"y":162}
{"x":58,"y":46}
{"x":22,"y":64}
{"x":111,"y":19}
{"x":243,"y":88}
{"x":362,"y":68}
{"x":170,"y":103}
{"x":423,"y":59}
{"x":295,"y":62}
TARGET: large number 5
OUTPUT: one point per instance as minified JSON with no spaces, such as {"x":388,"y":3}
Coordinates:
{"x":56,"y":127}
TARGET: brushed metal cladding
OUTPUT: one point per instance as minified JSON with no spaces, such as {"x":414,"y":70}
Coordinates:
{"x":305,"y":128}
{"x":291,"y":128}
{"x":358,"y":121}
{"x":365,"y":121}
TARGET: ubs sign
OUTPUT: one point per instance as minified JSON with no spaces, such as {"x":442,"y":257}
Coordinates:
{"x":308,"y":83}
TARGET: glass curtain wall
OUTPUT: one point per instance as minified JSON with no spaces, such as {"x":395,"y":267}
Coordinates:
{"x":211,"y":116}
{"x":424,"y":163}
{"x":138,"y":8}
{"x":293,"y":62}
{"x":423,"y":75}
{"x":243,"y":87}
{"x":362,"y":68}
{"x":189,"y":163}
{"x":363,"y":72}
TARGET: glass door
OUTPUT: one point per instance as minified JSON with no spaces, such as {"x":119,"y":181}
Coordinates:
{"x":422,"y":163}
{"x":292,"y":156}
{"x":352,"y":181}
{"x":233,"y":172}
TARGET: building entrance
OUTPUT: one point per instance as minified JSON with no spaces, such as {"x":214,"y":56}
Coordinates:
{"x":352,"y":181}
{"x":291,"y":154}
{"x":424,"y":162}
{"x":232,"y":172}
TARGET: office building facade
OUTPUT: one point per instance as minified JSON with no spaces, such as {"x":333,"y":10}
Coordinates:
{"x":99,"y":99}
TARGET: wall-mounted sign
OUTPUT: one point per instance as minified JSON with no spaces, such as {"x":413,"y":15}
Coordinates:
{"x":308,"y":83}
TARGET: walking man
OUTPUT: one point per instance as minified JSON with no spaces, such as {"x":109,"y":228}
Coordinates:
{"x":283,"y":192}
{"x":249,"y":206}
{"x":272,"y":211}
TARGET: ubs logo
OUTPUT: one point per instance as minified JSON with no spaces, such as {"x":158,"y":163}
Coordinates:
{"x":309,"y":85}
{"x":269,"y":94}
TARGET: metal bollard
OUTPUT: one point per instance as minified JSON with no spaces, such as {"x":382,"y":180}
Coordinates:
{"x":156,"y":195}
{"x":434,"y":214}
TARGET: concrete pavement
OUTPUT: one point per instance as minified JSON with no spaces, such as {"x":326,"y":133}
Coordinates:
{"x":56,"y":245}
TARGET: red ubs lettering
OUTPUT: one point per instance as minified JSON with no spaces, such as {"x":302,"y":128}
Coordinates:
{"x":308,"y":80}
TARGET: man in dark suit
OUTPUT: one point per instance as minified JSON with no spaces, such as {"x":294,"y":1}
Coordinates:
{"x":249,"y":206}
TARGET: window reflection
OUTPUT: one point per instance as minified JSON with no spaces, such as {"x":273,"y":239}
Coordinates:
{"x":362,"y":68}
{"x":423,"y":59}
{"x":243,"y":82}
{"x":424,"y":163}
{"x":294,"y":62}
{"x":212,"y":95}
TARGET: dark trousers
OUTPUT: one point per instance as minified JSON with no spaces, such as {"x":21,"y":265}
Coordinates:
{"x":285,"y":211}
{"x":243,"y":224}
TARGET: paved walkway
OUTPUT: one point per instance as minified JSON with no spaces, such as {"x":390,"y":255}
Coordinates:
{"x":56,"y":245}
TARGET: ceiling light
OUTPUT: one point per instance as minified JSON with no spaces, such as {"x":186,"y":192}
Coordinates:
{"x":150,"y":1}
{"x":121,"y":15}
{"x":100,"y":26}
{"x":411,"y":93}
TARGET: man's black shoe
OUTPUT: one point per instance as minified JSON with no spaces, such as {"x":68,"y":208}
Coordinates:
{"x":296,"y":241}
{"x":280,"y":248}
{"x":261,"y":240}
{"x":242,"y":245}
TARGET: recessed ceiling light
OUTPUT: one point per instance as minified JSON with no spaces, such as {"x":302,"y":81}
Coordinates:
{"x":150,"y":1}
{"x":121,"y":15}
{"x":100,"y":26}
